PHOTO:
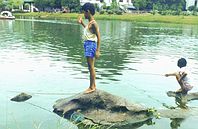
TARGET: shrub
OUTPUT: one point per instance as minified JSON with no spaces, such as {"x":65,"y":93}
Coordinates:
{"x":102,"y":12}
{"x":170,"y":12}
{"x":175,"y":12}
{"x":118,"y":12}
{"x":185,"y":13}
{"x":195,"y":13}
{"x":18,"y":11}
{"x":154,"y":12}
{"x":191,"y":8}
{"x":110,"y":12}
{"x":164,"y":12}
{"x":196,"y":9}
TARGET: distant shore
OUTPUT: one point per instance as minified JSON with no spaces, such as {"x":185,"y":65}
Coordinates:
{"x":125,"y":17}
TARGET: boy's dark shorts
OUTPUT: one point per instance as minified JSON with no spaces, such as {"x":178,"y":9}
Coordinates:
{"x":90,"y":48}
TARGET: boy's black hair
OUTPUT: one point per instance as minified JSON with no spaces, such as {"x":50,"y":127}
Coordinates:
{"x":89,"y":7}
{"x":182,"y":62}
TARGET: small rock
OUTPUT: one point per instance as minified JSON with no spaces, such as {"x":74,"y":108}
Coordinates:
{"x":21,"y":97}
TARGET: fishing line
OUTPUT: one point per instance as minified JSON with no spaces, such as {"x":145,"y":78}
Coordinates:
{"x":48,"y":21}
{"x":40,"y":107}
{"x":44,"y":93}
{"x":149,"y":96}
{"x":34,"y":105}
{"x":155,"y":74}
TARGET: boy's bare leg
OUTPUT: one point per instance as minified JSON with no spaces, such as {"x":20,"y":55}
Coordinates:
{"x":180,"y":83}
{"x":92,"y":86}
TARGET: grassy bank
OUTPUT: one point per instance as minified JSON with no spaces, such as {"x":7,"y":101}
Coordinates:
{"x":125,"y":17}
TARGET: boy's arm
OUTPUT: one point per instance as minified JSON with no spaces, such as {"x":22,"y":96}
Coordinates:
{"x":170,"y":74}
{"x":97,"y":32}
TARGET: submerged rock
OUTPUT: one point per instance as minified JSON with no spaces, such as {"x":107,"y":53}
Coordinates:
{"x":21,"y":97}
{"x":182,"y":111}
{"x":181,"y":99}
{"x":189,"y":96}
{"x":102,"y":108}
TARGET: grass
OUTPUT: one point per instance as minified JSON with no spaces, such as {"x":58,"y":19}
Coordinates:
{"x":125,"y":17}
{"x":83,"y":126}
{"x":59,"y":124}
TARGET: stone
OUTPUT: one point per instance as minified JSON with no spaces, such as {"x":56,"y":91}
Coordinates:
{"x":102,"y":108}
{"x":21,"y":97}
{"x":181,"y":99}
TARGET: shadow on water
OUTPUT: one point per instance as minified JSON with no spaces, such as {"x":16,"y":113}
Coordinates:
{"x":127,"y":126}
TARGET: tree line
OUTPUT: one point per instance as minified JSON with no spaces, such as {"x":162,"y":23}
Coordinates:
{"x":74,"y":5}
{"x":139,"y":4}
{"x":160,"y":5}
{"x":10,"y":4}
{"x":42,"y":4}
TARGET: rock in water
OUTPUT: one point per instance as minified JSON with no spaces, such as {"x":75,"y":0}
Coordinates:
{"x":21,"y":97}
{"x":189,"y":96}
{"x":182,"y":99}
{"x":101,"y":108}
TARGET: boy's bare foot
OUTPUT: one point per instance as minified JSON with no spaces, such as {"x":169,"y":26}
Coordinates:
{"x":90,"y":90}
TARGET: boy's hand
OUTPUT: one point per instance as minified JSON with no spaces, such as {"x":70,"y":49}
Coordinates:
{"x":80,"y":21}
{"x":166,"y":75}
{"x":97,"y":54}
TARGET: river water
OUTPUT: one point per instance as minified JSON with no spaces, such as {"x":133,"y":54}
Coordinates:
{"x":45,"y":59}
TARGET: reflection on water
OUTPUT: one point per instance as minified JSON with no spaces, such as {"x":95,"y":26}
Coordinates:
{"x":127,"y":126}
{"x":47,"y":56}
{"x":176,"y":123}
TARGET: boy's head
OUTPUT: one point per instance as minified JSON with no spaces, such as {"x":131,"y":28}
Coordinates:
{"x":88,"y":9}
{"x":181,"y":62}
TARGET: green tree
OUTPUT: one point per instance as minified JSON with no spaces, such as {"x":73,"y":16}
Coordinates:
{"x":114,"y":5}
{"x":160,"y":4}
{"x":1,"y":4}
{"x":73,"y":5}
{"x":58,"y":4}
{"x":141,"y":4}
{"x":17,"y":3}
{"x":10,"y":4}
{"x":192,"y":8}
{"x":43,"y":4}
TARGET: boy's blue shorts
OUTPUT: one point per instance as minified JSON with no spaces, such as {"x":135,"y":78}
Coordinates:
{"x":90,"y":48}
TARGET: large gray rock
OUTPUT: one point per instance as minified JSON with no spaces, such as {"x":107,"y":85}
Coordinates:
{"x":102,"y":108}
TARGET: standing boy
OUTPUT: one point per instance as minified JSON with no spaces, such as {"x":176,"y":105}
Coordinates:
{"x":91,"y":42}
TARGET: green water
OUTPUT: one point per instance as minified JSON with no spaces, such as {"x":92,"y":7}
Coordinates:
{"x":45,"y":59}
